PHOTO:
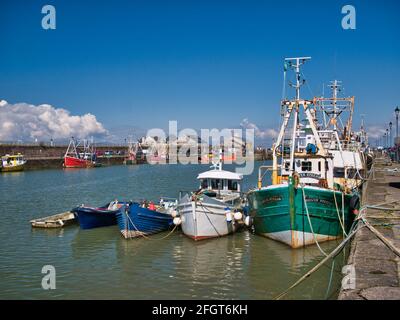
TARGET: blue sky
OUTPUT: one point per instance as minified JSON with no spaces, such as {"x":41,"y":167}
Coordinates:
{"x":204,"y":63}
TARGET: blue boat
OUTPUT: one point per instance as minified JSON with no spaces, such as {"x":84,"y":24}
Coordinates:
{"x":90,"y":217}
{"x":135,"y":221}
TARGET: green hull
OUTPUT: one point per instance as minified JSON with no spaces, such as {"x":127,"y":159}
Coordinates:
{"x":279,"y":212}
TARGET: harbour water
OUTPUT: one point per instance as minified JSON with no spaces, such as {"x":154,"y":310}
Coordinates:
{"x":100,"y":264}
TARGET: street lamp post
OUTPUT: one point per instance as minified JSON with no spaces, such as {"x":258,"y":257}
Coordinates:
{"x":397,"y":111}
{"x":387,"y":138}
{"x":384,"y":140}
{"x":390,"y":134}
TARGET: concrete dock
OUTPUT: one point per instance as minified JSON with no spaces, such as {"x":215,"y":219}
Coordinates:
{"x":377,"y":268}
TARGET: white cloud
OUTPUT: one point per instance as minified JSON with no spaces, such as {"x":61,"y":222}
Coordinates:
{"x":375,"y":131}
{"x":22,"y":121}
{"x":262,"y":134}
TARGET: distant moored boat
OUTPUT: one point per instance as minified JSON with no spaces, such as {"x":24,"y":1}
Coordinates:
{"x":10,"y":163}
{"x":80,"y":155}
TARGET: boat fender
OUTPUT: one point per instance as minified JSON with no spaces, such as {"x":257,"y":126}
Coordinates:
{"x":354,"y":204}
{"x":228,"y":214}
{"x":238,"y":216}
{"x":174,"y":213}
{"x":177,"y":221}
{"x":248,"y":221}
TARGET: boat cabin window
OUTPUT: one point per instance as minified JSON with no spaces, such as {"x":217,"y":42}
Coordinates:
{"x":306,"y":166}
{"x":232,"y":185}
{"x":338,"y":172}
{"x":204,"y":184}
{"x":216,"y":184}
{"x":319,"y":166}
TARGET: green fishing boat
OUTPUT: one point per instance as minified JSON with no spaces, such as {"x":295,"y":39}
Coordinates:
{"x":301,"y":215}
{"x":305,"y":204}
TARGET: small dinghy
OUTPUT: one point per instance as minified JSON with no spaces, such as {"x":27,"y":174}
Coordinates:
{"x":55,"y":221}
{"x":138,"y":220}
{"x":104,"y":216}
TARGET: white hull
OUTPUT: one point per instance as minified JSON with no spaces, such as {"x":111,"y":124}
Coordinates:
{"x":204,"y":220}
{"x":297,"y":239}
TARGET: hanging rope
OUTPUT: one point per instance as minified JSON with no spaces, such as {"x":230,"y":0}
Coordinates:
{"x":353,"y":230}
{"x":141,"y":233}
{"x":334,"y":253}
{"x":208,"y":218}
{"x":309,"y":221}
{"x":330,"y":280}
{"x":381,"y":237}
{"x":338,"y":214}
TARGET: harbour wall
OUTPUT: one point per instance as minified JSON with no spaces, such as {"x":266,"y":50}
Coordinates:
{"x":373,"y":269}
{"x":41,"y":156}
{"x":51,"y":157}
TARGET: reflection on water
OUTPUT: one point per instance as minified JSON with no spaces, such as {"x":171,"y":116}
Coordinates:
{"x":100,"y":264}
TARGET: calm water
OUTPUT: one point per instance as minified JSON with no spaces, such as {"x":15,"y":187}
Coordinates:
{"x":99,"y":264}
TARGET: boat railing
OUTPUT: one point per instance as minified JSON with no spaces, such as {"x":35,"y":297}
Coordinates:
{"x":262,"y":171}
{"x":182,"y":193}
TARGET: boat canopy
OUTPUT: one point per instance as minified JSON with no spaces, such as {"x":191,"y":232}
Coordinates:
{"x":14,"y":156}
{"x":220,"y":174}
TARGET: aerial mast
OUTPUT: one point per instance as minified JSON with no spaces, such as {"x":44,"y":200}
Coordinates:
{"x":295,"y":64}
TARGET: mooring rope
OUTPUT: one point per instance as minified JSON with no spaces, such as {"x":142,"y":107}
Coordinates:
{"x":209,"y":220}
{"x":388,"y":243}
{"x":332,"y":254}
{"x":309,"y":221}
{"x":353,"y":230}
{"x":330,"y":280}
{"x":143,"y":234}
{"x":338,"y":214}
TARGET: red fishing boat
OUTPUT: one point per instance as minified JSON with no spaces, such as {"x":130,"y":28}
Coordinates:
{"x":80,"y":154}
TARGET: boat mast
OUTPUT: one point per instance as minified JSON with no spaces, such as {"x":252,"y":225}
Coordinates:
{"x":335,"y":86}
{"x":295,"y":64}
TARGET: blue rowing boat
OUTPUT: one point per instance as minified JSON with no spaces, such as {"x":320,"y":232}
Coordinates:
{"x":90,"y":217}
{"x":135,"y":221}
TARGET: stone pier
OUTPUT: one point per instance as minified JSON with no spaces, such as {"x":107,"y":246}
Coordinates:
{"x":377,"y":268}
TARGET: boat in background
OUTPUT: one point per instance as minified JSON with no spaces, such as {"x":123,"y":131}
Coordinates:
{"x":337,"y":136}
{"x":80,"y":154}
{"x":215,"y":209}
{"x":90,"y":217}
{"x":135,"y":154}
{"x":11,"y":163}
{"x":140,"y":220}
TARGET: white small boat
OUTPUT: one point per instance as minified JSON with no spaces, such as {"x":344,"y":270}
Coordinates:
{"x":215,"y":209}
{"x":55,"y":221}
